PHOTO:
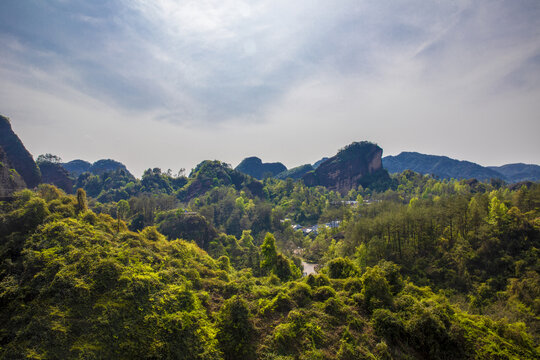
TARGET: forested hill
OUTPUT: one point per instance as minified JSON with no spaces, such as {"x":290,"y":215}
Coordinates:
{"x":78,"y":284}
{"x":440,"y":166}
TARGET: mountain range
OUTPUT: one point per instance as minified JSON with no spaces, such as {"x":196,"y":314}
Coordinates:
{"x":445,"y":168}
{"x":360,"y":163}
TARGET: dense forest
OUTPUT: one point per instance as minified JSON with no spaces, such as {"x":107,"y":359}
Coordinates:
{"x":210,"y":266}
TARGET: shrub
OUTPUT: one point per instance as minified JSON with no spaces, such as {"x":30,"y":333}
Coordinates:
{"x":323,"y":293}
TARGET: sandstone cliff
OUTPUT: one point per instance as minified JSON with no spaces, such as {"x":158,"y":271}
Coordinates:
{"x":359,"y":163}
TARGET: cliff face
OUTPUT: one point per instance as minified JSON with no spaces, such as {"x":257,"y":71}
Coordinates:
{"x":255,"y":167}
{"x":19,"y":157}
{"x":10,"y":180}
{"x":357,"y":164}
{"x":55,"y":174}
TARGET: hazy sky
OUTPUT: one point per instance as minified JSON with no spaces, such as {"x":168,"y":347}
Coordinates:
{"x":162,"y":83}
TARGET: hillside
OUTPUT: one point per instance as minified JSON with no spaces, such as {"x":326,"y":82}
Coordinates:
{"x":440,"y":166}
{"x":81,"y":285}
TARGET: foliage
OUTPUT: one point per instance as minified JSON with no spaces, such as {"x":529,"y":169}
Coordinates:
{"x":432,"y":269}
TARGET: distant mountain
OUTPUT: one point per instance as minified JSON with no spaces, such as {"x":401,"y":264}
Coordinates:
{"x":77,"y":167}
{"x":10,"y":180}
{"x":295,"y":173}
{"x":518,"y":172}
{"x":357,"y":164}
{"x":255,"y":167}
{"x":19,"y":157}
{"x":101,"y":166}
{"x":440,"y":166}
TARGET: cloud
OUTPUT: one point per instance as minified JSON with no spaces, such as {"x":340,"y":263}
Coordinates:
{"x":313,"y":74}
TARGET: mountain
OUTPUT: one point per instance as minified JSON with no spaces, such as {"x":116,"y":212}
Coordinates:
{"x":10,"y":180}
{"x":518,"y":172}
{"x":209,"y":174}
{"x":19,"y":157}
{"x":357,"y":164}
{"x":104,"y":165}
{"x":53,"y":173}
{"x":295,"y":173}
{"x":77,"y":167}
{"x":255,"y":167}
{"x":440,"y":166}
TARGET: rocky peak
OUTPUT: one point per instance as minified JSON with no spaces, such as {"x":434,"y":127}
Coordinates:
{"x":359,"y":163}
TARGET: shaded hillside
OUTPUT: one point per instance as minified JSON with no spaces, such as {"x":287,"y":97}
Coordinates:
{"x":77,"y":167}
{"x":209,"y":174}
{"x":10,"y":180}
{"x":439,"y":166}
{"x":19,"y":157}
{"x":357,"y":164}
{"x":295,"y":173}
{"x":518,"y":172}
{"x":55,"y":174}
{"x":255,"y":167}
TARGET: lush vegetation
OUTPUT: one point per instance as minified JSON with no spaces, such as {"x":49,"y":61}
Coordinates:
{"x":208,"y":267}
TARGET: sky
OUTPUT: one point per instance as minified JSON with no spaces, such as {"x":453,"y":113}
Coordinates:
{"x":163,"y":83}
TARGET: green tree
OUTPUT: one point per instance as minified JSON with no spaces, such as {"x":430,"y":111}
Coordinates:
{"x":122,"y":210}
{"x":268,"y":253}
{"x":235,"y":330}
{"x":82,"y":204}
